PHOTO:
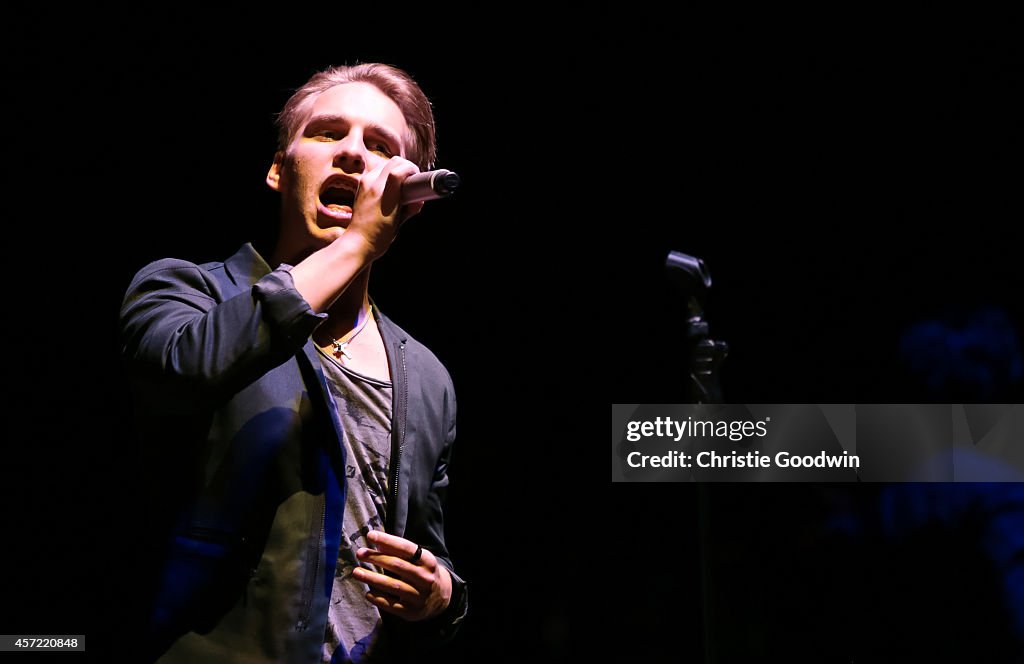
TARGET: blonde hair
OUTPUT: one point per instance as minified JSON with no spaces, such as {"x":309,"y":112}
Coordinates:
{"x":420,"y":142}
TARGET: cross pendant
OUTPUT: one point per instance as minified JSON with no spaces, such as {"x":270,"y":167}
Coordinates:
{"x":339,"y":348}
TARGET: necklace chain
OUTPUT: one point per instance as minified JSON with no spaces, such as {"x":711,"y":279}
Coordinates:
{"x":341,"y":347}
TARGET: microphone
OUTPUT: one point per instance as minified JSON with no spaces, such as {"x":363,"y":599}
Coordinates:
{"x":428,"y":186}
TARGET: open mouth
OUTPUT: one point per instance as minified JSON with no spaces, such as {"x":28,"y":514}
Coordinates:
{"x":337,"y":198}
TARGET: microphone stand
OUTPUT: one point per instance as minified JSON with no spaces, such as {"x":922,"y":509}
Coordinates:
{"x":694,"y":280}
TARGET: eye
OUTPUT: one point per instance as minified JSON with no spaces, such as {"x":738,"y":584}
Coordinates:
{"x":328,"y":135}
{"x":382,"y":149}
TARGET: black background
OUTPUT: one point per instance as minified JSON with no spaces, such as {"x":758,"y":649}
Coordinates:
{"x":838,"y":189}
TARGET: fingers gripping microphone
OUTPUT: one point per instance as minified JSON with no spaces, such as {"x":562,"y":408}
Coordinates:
{"x":428,"y":186}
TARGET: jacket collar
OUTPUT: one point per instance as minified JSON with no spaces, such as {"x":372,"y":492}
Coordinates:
{"x":246,"y":267}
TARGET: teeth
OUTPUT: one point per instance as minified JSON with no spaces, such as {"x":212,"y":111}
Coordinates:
{"x":337,"y":196}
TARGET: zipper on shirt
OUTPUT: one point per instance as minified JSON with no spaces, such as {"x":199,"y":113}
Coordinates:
{"x":399,"y":442}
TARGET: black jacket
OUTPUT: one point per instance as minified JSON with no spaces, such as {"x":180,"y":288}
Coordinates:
{"x":241,"y":445}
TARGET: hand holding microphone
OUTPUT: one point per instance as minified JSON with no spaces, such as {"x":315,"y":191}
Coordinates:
{"x":376,"y":215}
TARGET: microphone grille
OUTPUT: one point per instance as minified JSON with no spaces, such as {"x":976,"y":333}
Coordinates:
{"x":448,"y":182}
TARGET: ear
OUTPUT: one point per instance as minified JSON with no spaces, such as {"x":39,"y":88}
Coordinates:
{"x":274,"y":174}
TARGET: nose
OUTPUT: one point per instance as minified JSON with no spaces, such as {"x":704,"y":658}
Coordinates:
{"x":350,"y":155}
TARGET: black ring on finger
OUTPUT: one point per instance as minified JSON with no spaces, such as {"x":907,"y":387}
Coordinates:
{"x":416,"y":556}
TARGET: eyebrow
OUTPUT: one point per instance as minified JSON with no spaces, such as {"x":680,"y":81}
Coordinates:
{"x":372,"y":126}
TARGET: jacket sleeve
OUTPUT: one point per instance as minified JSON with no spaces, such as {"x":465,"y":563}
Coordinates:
{"x":176,"y":326}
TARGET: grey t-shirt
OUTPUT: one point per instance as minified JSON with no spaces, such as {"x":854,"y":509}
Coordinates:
{"x":364,"y":405}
